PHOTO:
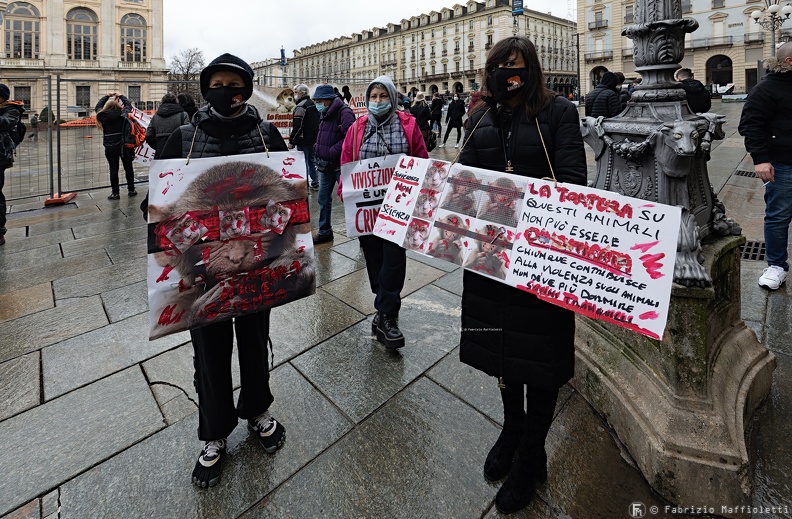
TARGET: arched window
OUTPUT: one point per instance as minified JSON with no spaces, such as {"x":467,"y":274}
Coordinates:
{"x":133,"y":38}
{"x":22,"y":31}
{"x":81,"y":41}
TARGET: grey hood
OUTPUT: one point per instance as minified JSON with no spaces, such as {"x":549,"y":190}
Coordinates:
{"x":387,"y":82}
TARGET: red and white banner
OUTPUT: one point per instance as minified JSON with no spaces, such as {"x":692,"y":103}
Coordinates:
{"x":144,"y":154}
{"x":598,"y":253}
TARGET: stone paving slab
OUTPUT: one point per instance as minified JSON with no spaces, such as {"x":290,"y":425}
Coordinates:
{"x":749,"y":205}
{"x":171,"y":377}
{"x":42,"y":329}
{"x":31,"y":510}
{"x":16,"y":241}
{"x":355,"y":290}
{"x":127,"y":252}
{"x":134,"y":482}
{"x":330,"y":265}
{"x":26,"y":301}
{"x":302,"y":324}
{"x":99,"y":280}
{"x":358,"y":374}
{"x":753,"y":298}
{"x":451,"y":282}
{"x":584,"y":465}
{"x":778,"y":324}
{"x":56,"y":441}
{"x":52,"y":221}
{"x":445,"y":266}
{"x":34,"y":274}
{"x":23,"y":259}
{"x":770,"y":441}
{"x":413,"y":458}
{"x":91,"y":356}
{"x":351,"y":249}
{"x":126,"y":301}
{"x":94,"y":243}
{"x":108,"y":226}
{"x":20,"y":387}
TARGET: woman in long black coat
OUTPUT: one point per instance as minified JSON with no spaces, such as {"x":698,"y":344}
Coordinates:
{"x":528,"y":344}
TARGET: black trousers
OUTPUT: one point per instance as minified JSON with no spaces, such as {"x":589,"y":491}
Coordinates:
{"x":386,"y":264}
{"x":2,"y":201}
{"x":212,"y":345}
{"x":126,"y":155}
{"x":535,"y":408}
{"x":448,"y":130}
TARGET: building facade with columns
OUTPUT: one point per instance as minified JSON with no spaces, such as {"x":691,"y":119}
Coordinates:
{"x":95,"y":46}
{"x":725,"y":49}
{"x":440,"y":51}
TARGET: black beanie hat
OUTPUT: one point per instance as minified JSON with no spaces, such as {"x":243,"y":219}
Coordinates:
{"x":233,"y":64}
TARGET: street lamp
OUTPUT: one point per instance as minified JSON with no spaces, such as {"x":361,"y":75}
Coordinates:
{"x":774,"y":22}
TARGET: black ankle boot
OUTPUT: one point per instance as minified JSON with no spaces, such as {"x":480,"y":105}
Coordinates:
{"x":519,"y":489}
{"x":375,"y":328}
{"x":389,"y":333}
{"x":501,"y":455}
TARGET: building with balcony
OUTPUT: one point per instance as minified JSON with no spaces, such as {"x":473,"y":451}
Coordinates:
{"x":725,"y":49}
{"x":95,"y":47}
{"x":440,"y":51}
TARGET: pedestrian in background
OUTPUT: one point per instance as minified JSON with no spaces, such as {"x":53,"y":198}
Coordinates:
{"x":603,"y":101}
{"x":766,"y":125}
{"x":10,"y":114}
{"x":335,"y":119}
{"x":34,"y":125}
{"x":420,"y":110}
{"x":111,"y":111}
{"x":698,"y":98}
{"x":386,"y":131}
{"x":454,"y":115}
{"x":170,"y":115}
{"x":229,"y":126}
{"x":305,"y":128}
{"x":436,"y":110}
{"x":188,"y":103}
{"x":527,"y":343}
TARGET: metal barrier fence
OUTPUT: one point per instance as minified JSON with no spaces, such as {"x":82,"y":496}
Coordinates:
{"x":63,"y":159}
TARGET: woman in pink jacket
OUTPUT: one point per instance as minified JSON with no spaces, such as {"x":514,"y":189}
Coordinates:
{"x":386,"y":131}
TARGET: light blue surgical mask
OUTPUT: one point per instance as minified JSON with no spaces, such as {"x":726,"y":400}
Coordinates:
{"x":320,"y":107}
{"x":378,"y":109}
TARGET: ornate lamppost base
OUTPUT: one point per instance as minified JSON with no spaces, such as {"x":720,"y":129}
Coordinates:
{"x":682,"y":405}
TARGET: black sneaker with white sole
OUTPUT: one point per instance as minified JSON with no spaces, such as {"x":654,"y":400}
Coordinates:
{"x":271,"y":433}
{"x":210,"y":464}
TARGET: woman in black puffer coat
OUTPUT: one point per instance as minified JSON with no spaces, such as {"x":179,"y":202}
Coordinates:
{"x":528,"y":344}
{"x":228,"y":126}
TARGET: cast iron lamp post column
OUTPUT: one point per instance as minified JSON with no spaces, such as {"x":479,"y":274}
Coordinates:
{"x":774,"y":21}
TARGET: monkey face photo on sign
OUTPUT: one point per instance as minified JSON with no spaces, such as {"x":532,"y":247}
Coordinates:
{"x":242,"y":264}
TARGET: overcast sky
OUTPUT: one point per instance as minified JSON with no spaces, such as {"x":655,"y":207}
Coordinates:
{"x":256,"y":30}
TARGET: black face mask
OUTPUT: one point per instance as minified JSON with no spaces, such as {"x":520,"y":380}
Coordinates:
{"x":226,"y":100}
{"x":505,"y":83}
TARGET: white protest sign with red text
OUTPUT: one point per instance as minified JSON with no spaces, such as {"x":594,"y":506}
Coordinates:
{"x":144,"y":154}
{"x":364,"y":184}
{"x":595,"y":252}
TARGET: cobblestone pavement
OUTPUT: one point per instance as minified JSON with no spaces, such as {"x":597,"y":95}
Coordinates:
{"x":96,"y":421}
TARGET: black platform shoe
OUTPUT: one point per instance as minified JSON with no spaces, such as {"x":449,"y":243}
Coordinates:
{"x":388,"y":331}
